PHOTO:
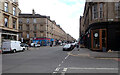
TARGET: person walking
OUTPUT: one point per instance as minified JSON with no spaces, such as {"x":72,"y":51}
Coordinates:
{"x":78,"y":46}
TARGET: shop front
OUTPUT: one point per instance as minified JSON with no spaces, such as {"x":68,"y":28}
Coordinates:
{"x":103,"y":36}
{"x":98,"y":39}
{"x":43,"y":41}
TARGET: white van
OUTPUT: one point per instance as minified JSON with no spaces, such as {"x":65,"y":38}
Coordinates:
{"x":12,"y":46}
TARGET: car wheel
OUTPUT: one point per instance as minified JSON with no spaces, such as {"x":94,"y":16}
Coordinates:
{"x":23,"y":49}
{"x":14,"y":51}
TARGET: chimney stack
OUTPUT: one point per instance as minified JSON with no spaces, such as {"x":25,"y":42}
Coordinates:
{"x":33,"y":12}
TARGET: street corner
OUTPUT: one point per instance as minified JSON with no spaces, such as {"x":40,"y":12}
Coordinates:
{"x":78,"y":53}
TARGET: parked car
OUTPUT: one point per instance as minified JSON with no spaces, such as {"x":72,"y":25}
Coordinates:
{"x":37,"y":45}
{"x":12,"y":46}
{"x":67,"y":47}
{"x":24,"y":46}
{"x":32,"y":44}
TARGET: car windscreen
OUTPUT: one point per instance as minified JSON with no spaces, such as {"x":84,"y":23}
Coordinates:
{"x":68,"y":45}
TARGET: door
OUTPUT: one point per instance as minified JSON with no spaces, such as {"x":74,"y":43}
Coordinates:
{"x":98,"y":39}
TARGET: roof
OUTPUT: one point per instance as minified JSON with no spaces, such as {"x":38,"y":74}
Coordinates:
{"x":32,"y":16}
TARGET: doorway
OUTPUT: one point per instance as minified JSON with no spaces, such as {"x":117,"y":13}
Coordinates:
{"x":98,"y":39}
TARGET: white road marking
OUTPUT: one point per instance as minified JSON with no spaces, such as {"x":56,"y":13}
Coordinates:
{"x":65,"y":69}
{"x":54,"y":72}
{"x":66,"y":56}
{"x":59,"y":65}
{"x":57,"y":69}
{"x":93,"y":68}
{"x":62,"y":62}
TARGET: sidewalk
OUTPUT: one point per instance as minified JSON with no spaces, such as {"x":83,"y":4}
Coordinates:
{"x":96,"y":54}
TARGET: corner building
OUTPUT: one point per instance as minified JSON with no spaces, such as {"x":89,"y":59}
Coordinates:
{"x":100,"y":25}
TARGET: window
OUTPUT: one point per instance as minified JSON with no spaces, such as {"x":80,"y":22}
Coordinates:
{"x":6,"y":7}
{"x":28,"y":20}
{"x":14,"y":23}
{"x":14,"y":0}
{"x":27,"y":35}
{"x":27,"y":26}
{"x":6,"y":22}
{"x":117,"y":9}
{"x":20,"y":35}
{"x":14,"y":11}
{"x":20,"y":27}
{"x":35,"y":27}
{"x":95,"y":11}
{"x":20,"y":20}
{"x":41,"y":34}
{"x":34,"y":20}
{"x":101,"y":10}
{"x":34,"y":34}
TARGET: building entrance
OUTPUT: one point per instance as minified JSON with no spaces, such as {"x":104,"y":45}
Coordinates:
{"x":98,"y":39}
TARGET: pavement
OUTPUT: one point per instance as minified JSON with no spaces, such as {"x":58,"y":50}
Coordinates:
{"x":95,"y":54}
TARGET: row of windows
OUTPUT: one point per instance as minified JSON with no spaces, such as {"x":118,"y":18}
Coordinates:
{"x":28,"y":36}
{"x":27,"y":27}
{"x":6,"y":8}
{"x":28,"y":21}
{"x":6,"y":22}
{"x":98,"y":12}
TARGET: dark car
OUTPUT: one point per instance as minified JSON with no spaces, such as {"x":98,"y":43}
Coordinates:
{"x":67,"y":47}
{"x":24,"y":45}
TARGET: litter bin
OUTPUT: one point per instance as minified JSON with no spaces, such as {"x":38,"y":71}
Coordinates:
{"x":104,"y":49}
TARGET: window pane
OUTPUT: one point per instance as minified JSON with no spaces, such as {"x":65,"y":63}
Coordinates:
{"x":6,"y":22}
{"x":34,"y":20}
{"x":95,"y":11}
{"x":6,"y":7}
{"x":101,"y":10}
{"x":27,"y":20}
{"x":14,"y":11}
{"x":14,"y":24}
{"x":35,"y":27}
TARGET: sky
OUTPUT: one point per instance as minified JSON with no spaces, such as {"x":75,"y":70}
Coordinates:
{"x":66,"y":13}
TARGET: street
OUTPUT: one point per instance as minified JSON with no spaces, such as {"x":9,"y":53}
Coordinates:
{"x":54,"y":60}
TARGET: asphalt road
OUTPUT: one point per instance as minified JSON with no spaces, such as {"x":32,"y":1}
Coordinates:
{"x":54,"y":60}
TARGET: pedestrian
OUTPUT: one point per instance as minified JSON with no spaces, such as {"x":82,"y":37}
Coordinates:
{"x":78,"y":47}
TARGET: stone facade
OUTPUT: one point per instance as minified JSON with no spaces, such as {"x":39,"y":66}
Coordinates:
{"x":39,"y":28}
{"x":9,"y":20}
{"x":99,"y":22}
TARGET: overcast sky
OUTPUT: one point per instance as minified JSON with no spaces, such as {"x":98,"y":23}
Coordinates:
{"x":66,"y":13}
